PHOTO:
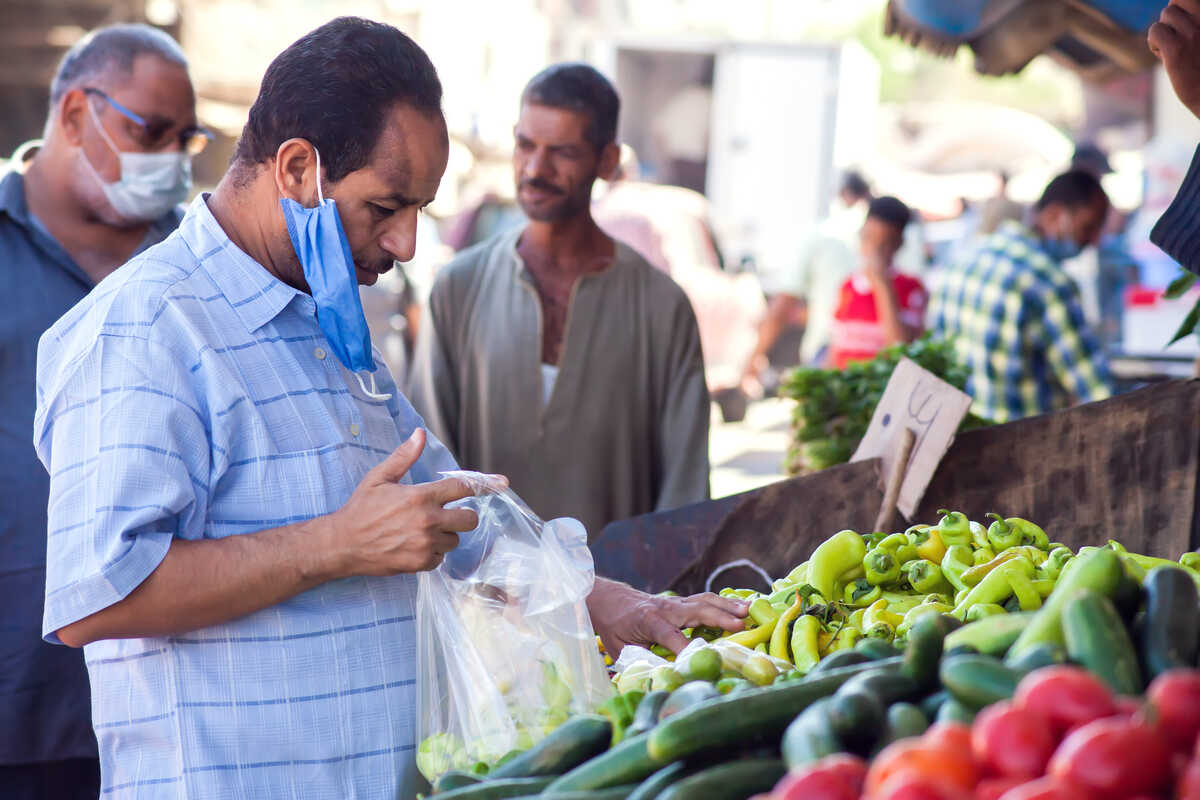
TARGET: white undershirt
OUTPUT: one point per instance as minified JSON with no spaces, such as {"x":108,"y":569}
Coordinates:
{"x":549,"y":376}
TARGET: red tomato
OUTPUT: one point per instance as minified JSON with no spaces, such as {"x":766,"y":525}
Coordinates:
{"x":1067,"y":696}
{"x":1175,"y":696}
{"x":1188,"y":787}
{"x":1013,"y":741}
{"x":950,"y":735}
{"x":1044,"y":789}
{"x":1113,"y":758}
{"x":925,"y":758}
{"x":993,"y":788}
{"x":918,"y":785}
{"x":831,"y":778}
{"x":1127,"y":707}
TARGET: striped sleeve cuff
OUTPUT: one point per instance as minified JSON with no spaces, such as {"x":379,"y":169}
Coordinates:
{"x":1178,"y":231}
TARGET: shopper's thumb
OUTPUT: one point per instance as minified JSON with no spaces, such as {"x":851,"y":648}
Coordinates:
{"x":397,"y":465}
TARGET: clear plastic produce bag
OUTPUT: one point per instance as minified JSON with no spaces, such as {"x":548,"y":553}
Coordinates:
{"x":505,"y":647}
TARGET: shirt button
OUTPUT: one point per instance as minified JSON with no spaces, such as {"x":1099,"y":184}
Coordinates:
{"x":319,"y":353}
{"x":354,"y":429}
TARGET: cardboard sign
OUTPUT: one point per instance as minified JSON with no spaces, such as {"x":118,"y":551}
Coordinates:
{"x":932,"y":409}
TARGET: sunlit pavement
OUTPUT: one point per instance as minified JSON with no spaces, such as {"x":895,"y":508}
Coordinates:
{"x":748,"y":454}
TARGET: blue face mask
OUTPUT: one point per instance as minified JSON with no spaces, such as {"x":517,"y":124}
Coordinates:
{"x":1061,"y":248}
{"x":320,"y":243}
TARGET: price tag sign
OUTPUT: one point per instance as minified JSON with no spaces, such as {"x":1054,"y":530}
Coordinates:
{"x":932,"y":409}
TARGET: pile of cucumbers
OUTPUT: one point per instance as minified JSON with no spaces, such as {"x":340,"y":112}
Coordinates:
{"x":1123,"y":624}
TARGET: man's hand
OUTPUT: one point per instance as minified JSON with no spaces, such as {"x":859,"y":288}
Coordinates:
{"x":622,"y":615}
{"x":1175,"y":39}
{"x":387,"y":528}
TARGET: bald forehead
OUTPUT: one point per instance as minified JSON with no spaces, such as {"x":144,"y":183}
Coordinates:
{"x":412,"y":151}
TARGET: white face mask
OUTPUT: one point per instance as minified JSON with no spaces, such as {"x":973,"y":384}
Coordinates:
{"x":151,"y":184}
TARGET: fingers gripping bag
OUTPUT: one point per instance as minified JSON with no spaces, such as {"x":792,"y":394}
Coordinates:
{"x":505,"y":647}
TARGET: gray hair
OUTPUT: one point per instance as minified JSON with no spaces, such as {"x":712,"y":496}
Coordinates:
{"x":113,"y":47}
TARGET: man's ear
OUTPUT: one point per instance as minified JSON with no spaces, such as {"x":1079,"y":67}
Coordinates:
{"x":70,"y":115}
{"x":610,"y":159}
{"x":295,"y":171}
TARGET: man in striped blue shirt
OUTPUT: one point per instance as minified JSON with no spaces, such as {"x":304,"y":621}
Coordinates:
{"x":1014,"y":314}
{"x":235,"y":518}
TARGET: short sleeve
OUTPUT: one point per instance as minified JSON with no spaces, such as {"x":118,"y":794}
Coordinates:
{"x":125,"y":441}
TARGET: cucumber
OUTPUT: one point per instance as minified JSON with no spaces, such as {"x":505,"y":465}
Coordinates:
{"x":736,"y":780}
{"x":892,"y":664}
{"x":857,"y":717}
{"x":498,"y":789}
{"x":931,"y":704}
{"x":903,"y":720}
{"x":615,"y":793}
{"x":977,"y":681}
{"x":628,"y":762}
{"x":842,"y":658}
{"x":686,"y":696}
{"x":811,"y":735}
{"x":925,"y":642}
{"x":646,"y":716}
{"x":736,"y":719}
{"x":1097,"y":639}
{"x":954,"y":710}
{"x":1100,"y":570}
{"x":888,"y":685}
{"x":455,"y":779}
{"x":961,"y":650}
{"x":657,"y":783}
{"x":1042,"y":655}
{"x":1170,"y":637}
{"x":876,"y":649}
{"x":574,"y":742}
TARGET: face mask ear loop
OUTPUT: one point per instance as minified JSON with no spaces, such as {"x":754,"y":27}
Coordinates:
{"x":320,"y":196}
{"x":371,"y":393}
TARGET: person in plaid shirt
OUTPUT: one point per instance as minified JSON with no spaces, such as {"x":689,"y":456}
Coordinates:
{"x":1015,"y":315}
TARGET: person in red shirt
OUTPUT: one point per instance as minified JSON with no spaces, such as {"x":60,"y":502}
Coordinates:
{"x":877,"y":306}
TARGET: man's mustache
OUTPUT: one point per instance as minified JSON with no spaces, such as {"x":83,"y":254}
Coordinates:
{"x":534,"y":183}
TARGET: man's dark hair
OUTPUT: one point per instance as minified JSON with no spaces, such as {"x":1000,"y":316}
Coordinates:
{"x":113,"y":48}
{"x":1074,"y":189}
{"x":891,"y":211}
{"x":855,"y":185}
{"x":578,"y":87}
{"x":335,"y":87}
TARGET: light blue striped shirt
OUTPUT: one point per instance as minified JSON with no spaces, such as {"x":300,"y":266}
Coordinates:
{"x":193,"y":395}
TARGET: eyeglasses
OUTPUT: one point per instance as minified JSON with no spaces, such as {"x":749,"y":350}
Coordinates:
{"x":152,"y":131}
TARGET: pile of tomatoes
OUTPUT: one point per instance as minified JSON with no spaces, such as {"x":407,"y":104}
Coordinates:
{"x":1063,"y":736}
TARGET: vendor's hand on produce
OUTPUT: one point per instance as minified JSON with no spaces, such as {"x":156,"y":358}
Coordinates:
{"x":386,"y":528}
{"x":1175,"y":39}
{"x":622,"y":615}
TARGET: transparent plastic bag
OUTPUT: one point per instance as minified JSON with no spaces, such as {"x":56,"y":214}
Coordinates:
{"x":505,"y":647}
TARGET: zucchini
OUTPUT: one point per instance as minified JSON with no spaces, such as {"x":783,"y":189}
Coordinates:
{"x":686,"y":696}
{"x":736,"y":719}
{"x":857,"y":717}
{"x":1100,"y":570}
{"x":571,"y":744}
{"x":903,"y":720}
{"x":1170,"y":636}
{"x":498,"y":789}
{"x":646,"y":716}
{"x":839,"y":659}
{"x":925,"y":642}
{"x":657,"y":783}
{"x":977,"y":681}
{"x":1097,"y":639}
{"x":455,"y":779}
{"x":628,"y":762}
{"x":811,"y":735}
{"x":736,"y":780}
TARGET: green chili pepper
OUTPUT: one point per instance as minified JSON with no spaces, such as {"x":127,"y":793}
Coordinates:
{"x":982,"y":555}
{"x":997,"y":586}
{"x":928,"y":542}
{"x":924,"y":576}
{"x":798,"y":575}
{"x":861,"y":593}
{"x":872,"y":540}
{"x":979,"y":536}
{"x":1052,"y":567}
{"x":981,"y":610}
{"x":954,"y":528}
{"x":1020,"y":579}
{"x":880,"y":630}
{"x":912,"y":616}
{"x":1001,"y":535}
{"x":739,"y":594}
{"x":975,"y":574}
{"x":835,"y":556}
{"x":762,"y":612}
{"x":958,"y":559}
{"x":937,"y":597}
{"x":892,"y":543}
{"x":881,"y":567}
{"x":806,"y":652}
{"x":906,"y":553}
{"x":1056,"y":545}
{"x":1043,"y":586}
{"x":1190,"y":561}
{"x":1030,"y":533}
